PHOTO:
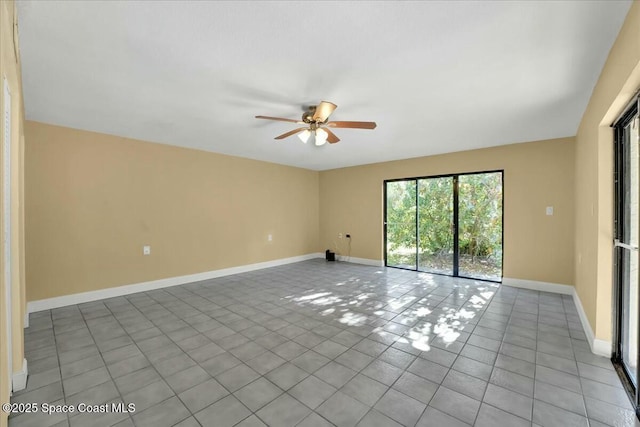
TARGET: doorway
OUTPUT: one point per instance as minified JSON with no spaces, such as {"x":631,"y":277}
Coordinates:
{"x":626,"y":259}
{"x":447,"y":224}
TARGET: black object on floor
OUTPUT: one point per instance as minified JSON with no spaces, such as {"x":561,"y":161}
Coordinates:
{"x":330,"y":256}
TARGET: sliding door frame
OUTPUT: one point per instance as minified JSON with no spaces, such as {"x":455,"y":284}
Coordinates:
{"x":456,"y":246}
{"x":456,"y":228}
{"x":630,"y":112}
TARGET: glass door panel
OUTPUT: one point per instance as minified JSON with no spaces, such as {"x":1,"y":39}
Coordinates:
{"x":626,"y":256}
{"x":400,"y":224}
{"x":435,"y":225}
{"x":629,"y":338}
{"x":627,"y":240}
{"x":480,"y":225}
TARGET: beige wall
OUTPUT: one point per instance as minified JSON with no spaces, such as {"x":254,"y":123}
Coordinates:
{"x":536,"y":175}
{"x":94,"y":200}
{"x":619,"y":79}
{"x":10,"y":68}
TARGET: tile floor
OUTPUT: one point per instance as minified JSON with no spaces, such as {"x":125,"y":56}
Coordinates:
{"x":323,"y":344}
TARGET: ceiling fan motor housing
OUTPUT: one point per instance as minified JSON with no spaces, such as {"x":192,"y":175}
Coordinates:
{"x":307,"y":116}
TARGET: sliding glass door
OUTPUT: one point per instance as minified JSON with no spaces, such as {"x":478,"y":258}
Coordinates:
{"x":627,"y":225}
{"x":401,"y":224}
{"x":446,"y":224}
{"x":480,"y":225}
{"x":435,"y":225}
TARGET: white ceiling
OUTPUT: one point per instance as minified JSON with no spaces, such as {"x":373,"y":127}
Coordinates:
{"x":436,"y":76}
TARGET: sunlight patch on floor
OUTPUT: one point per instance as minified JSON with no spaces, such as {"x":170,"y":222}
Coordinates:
{"x":398,"y":303}
{"x":312,"y":296}
{"x":353,"y":319}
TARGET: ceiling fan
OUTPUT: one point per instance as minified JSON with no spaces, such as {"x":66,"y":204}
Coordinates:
{"x":317,"y":124}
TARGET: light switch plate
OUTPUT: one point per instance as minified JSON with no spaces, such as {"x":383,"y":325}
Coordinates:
{"x":549,"y":210}
{"x":146,"y":250}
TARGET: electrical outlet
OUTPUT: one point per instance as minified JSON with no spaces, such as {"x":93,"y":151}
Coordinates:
{"x":146,"y":250}
{"x":269,"y":238}
{"x":339,"y":235}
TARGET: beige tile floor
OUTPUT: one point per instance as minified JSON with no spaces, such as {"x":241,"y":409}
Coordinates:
{"x":323,"y":344}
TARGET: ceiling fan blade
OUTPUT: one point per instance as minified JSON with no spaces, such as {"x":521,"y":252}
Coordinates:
{"x":353,"y":125}
{"x":280,"y":119}
{"x":331,"y":138}
{"x":288,"y":134}
{"x":323,"y":111}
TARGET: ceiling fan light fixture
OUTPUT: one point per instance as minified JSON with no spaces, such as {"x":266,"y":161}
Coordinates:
{"x":304,"y":136}
{"x":313,"y":119}
{"x":321,"y":137}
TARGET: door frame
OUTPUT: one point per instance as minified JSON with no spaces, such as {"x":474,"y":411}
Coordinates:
{"x":630,"y":112}
{"x":6,"y":243}
{"x":455,"y":269}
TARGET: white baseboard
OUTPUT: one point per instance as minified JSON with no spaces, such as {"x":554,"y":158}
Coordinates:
{"x":585,"y":322}
{"x":19,"y":379}
{"x":65,"y":300}
{"x":602,"y":348}
{"x":534,"y":285}
{"x":598,"y":346}
{"x":364,"y":261}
